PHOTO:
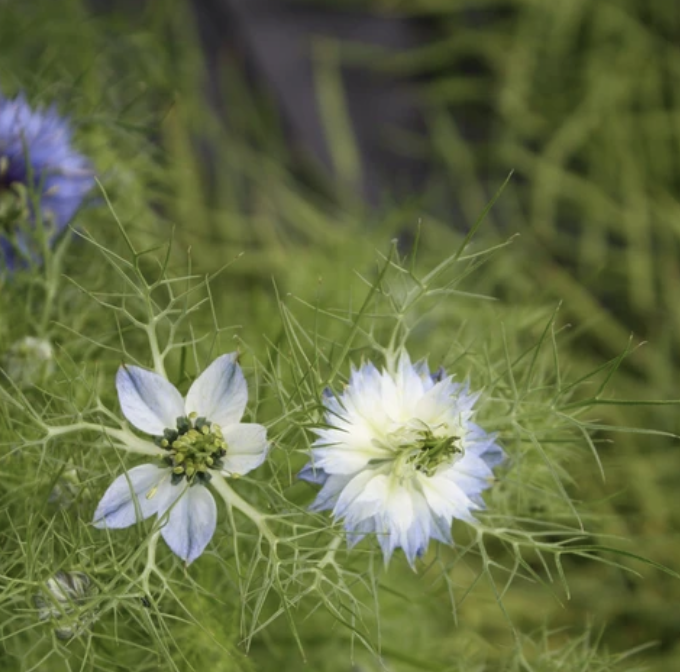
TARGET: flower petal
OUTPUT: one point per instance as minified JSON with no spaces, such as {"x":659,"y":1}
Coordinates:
{"x":446,"y":498}
{"x":355,"y":533}
{"x":130,"y":497}
{"x":363,"y":496}
{"x":312,"y":474}
{"x":327,"y":497}
{"x":191,"y":521}
{"x":220,"y":393}
{"x":415,"y":539}
{"x":247,"y":448}
{"x":494,"y":455}
{"x":149,"y":401}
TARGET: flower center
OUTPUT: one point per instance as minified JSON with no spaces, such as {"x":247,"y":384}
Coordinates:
{"x":194,"y":447}
{"x":430,"y":451}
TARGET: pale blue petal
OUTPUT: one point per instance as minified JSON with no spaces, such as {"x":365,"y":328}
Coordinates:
{"x":366,"y":375}
{"x":247,"y":448}
{"x":131,"y":497}
{"x":220,"y":393}
{"x":191,"y":522}
{"x":387,"y":538}
{"x":150,"y":402}
{"x":417,"y":537}
{"x":328,"y":495}
{"x":312,"y":474}
{"x":356,"y":532}
{"x":438,"y":375}
{"x":494,"y":455}
{"x":440,"y":529}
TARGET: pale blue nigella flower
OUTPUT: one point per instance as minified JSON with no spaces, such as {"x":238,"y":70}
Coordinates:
{"x":197,"y":435}
{"x":37,"y":157}
{"x":400,"y":457}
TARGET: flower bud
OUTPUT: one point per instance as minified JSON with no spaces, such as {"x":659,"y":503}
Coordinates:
{"x":29,"y":361}
{"x":60,"y":602}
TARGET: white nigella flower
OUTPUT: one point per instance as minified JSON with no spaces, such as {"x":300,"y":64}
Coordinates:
{"x":400,"y":457}
{"x":196,"y":435}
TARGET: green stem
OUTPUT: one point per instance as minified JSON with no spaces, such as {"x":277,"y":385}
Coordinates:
{"x":150,"y":562}
{"x":329,"y":557}
{"x":233,"y":500}
{"x":158,"y":364}
{"x":124,"y":439}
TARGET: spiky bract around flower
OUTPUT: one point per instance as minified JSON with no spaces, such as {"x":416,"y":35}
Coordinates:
{"x":197,"y":436}
{"x":400,"y":457}
{"x":37,"y":161}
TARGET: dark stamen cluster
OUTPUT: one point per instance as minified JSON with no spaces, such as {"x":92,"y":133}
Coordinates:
{"x":194,"y":447}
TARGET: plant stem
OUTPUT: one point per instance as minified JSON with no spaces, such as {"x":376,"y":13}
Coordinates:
{"x":150,"y":562}
{"x":125,"y":440}
{"x":233,"y":499}
{"x":329,"y":556}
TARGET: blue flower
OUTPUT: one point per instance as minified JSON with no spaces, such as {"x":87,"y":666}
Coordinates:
{"x":400,"y":457}
{"x":36,"y":156}
{"x":198,"y":435}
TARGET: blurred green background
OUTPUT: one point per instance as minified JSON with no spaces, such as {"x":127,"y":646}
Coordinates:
{"x":579,"y":98}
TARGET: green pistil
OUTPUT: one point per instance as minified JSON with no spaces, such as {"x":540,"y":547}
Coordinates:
{"x":430,"y":452}
{"x":193,"y":448}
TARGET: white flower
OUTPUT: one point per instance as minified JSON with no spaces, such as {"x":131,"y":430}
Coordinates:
{"x":199,"y":434}
{"x":401,"y":457}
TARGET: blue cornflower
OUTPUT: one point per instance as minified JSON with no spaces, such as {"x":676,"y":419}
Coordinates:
{"x":400,"y":457}
{"x":38,"y":160}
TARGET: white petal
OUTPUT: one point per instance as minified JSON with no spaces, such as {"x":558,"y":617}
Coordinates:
{"x":439,"y":405}
{"x":471,"y":465}
{"x":363,"y":496}
{"x":361,"y":408}
{"x":131,"y":497}
{"x":347,"y":458}
{"x":446,"y":499}
{"x":220,"y":393}
{"x":191,"y":520}
{"x":410,"y":385}
{"x":372,"y":498}
{"x":247,"y":448}
{"x":399,"y":507}
{"x":149,"y":401}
